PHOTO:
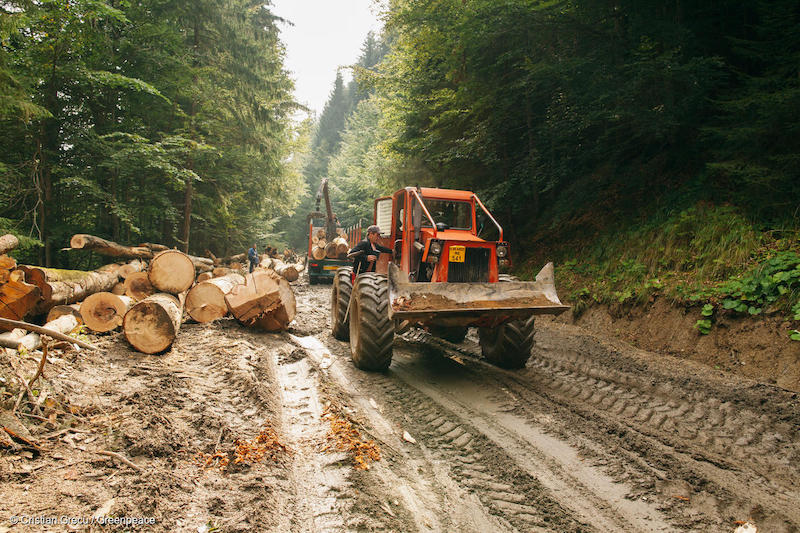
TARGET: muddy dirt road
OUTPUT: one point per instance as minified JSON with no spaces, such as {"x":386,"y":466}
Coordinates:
{"x":593,"y":435}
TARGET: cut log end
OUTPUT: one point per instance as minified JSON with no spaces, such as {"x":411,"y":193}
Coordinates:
{"x":171,"y":271}
{"x":103,"y":311}
{"x":138,"y":286}
{"x":151,"y":325}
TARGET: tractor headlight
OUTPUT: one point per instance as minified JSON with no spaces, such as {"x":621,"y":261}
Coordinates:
{"x":502,"y":250}
{"x":435,"y":248}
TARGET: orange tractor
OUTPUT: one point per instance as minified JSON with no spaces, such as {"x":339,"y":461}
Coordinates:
{"x":441,"y":276}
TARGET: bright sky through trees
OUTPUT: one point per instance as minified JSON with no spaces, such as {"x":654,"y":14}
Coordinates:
{"x":326,"y":34}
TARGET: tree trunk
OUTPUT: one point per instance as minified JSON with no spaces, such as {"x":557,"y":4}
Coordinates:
{"x":265,"y":301}
{"x":137,"y":265}
{"x":103,"y":311}
{"x":289,"y":272}
{"x":171,"y":271}
{"x":64,"y":287}
{"x":204,"y":276}
{"x":138,"y":286}
{"x":318,"y":252}
{"x":61,"y":310}
{"x":152,"y":325}
{"x":64,"y":324}
{"x":7,"y":243}
{"x":109,"y":248}
{"x":119,"y":288}
{"x":221,"y":271}
{"x":206,"y":301}
{"x":341,"y":247}
{"x":331,"y":250}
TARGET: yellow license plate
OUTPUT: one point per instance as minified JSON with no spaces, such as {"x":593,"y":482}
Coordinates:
{"x":330,"y":267}
{"x":457,"y":254}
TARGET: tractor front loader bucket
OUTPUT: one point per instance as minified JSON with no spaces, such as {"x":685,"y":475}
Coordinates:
{"x":471,"y":304}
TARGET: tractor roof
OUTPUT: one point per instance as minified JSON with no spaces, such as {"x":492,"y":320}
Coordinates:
{"x":445,"y":194}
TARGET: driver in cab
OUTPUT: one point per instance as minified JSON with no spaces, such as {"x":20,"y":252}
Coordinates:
{"x":365,"y":254}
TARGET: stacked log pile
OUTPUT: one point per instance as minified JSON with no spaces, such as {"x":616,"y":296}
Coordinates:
{"x":146,"y":296}
{"x":336,"y":248}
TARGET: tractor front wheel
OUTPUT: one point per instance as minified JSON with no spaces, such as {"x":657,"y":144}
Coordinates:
{"x":371,"y":331}
{"x":508,"y":345}
{"x":340,"y":297}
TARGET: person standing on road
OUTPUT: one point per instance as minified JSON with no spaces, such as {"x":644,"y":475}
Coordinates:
{"x":252,"y":255}
{"x":366,"y":261}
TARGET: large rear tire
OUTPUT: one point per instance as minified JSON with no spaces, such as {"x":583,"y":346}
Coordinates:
{"x":508,"y":345}
{"x":340,"y":296}
{"x":371,"y":331}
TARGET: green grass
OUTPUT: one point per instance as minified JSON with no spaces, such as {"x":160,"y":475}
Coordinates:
{"x":707,"y":256}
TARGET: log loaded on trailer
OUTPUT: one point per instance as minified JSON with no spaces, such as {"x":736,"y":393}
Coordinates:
{"x":328,"y":243}
{"x":442,"y":276}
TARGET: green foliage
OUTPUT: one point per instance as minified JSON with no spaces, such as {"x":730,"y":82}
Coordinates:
{"x":764,"y":286}
{"x":149,"y":121}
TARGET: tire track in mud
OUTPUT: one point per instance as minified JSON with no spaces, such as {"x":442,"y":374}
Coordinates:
{"x":737,"y":462}
{"x":591,"y":496}
{"x":321,"y":485}
{"x":208,"y":391}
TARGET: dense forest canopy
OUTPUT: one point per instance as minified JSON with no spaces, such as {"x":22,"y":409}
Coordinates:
{"x":152,"y":121}
{"x":170,"y":121}
{"x":554,"y":110}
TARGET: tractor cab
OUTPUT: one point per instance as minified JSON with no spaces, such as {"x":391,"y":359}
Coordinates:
{"x":434,"y":235}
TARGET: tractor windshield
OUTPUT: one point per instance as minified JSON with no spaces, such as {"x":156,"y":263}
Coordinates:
{"x":457,"y":215}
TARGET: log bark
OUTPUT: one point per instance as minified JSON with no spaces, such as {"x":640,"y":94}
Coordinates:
{"x":221,"y":271}
{"x":138,"y":286}
{"x":64,"y":324}
{"x":341,"y":247}
{"x":171,"y":271}
{"x":70,"y":286}
{"x":90,"y":242}
{"x":201,"y":264}
{"x":11,"y":338}
{"x":288,"y":272}
{"x":103,"y":311}
{"x":137,"y":265}
{"x":318,"y":252}
{"x":61,"y":310}
{"x":152,"y":325}
{"x":7,"y":243}
{"x":53,"y":282}
{"x":265,"y":301}
{"x":206,"y":301}
{"x":331,"y":250}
